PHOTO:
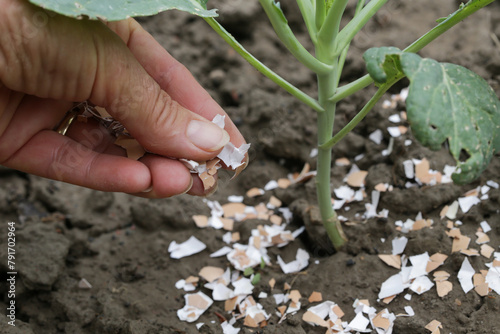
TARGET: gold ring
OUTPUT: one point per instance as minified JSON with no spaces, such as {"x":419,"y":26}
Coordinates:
{"x":65,"y":123}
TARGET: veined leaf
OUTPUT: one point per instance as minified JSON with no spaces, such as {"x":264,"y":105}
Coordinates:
{"x":449,"y":102}
{"x":446,"y":102}
{"x":382,"y":63}
{"x":114,"y":10}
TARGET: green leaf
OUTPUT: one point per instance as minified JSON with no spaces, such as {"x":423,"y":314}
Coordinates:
{"x":248,"y":271}
{"x":114,"y":10}
{"x":256,"y":279}
{"x":450,"y":102}
{"x":383,"y":63}
{"x":277,"y":8}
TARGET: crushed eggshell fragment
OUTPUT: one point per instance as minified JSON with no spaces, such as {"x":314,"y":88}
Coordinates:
{"x":357,"y":179}
{"x":207,"y":180}
{"x":441,"y":275}
{"x":424,"y":174}
{"x":210,"y":273}
{"x":359,"y":323}
{"x":243,"y":256}
{"x":421,"y":223}
{"x":135,"y":151}
{"x":305,"y":175}
{"x":382,"y":320}
{"x":460,"y":243}
{"x":465,"y":275}
{"x":487,"y":250}
{"x":301,"y":261}
{"x":231,"y":210}
{"x":84,"y":284}
{"x":315,"y":297}
{"x":200,"y":220}
{"x":383,"y":187}
{"x":443,"y":288}
{"x":480,"y":285}
{"x":394,"y":285}
{"x":284,"y":183}
{"x":470,"y":252}
{"x":314,"y":319}
{"x":272,"y":282}
{"x":254,"y":192}
{"x":187,"y":248}
{"x":435,"y":261}
{"x":222,"y":292}
{"x":434,"y":326}
{"x":451,"y":212}
{"x":196,"y":305}
{"x":482,"y":238}
{"x":421,"y":284}
{"x":342,"y":162}
{"x":391,"y":260}
{"x":399,"y":245}
{"x":467,"y":202}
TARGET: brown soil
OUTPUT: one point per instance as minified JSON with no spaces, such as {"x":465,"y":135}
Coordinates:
{"x":119,"y":243}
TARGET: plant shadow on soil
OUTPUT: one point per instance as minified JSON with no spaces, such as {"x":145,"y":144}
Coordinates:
{"x":119,"y":243}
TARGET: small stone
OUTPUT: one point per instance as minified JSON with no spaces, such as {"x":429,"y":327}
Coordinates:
{"x":350,"y":263}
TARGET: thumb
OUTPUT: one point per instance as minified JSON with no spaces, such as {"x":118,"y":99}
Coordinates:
{"x":159,"y":123}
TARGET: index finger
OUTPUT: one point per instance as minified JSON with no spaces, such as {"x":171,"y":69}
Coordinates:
{"x":172,"y":76}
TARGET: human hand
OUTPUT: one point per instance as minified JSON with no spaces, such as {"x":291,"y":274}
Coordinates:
{"x":48,"y":61}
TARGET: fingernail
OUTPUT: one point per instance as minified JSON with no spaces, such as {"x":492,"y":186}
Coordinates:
{"x":148,"y":190}
{"x":188,"y":188}
{"x":206,"y":136}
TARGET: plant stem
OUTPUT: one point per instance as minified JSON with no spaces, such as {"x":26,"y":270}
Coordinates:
{"x":286,"y":35}
{"x":330,"y":28}
{"x":300,"y":95}
{"x":343,"y":54}
{"x":323,"y":176}
{"x":359,"y":116}
{"x":307,"y":10}
{"x":320,"y":13}
{"x":351,"y":88}
{"x":328,"y":83}
{"x":357,"y":23}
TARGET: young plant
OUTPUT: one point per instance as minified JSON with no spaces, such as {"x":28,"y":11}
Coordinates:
{"x":446,"y":102}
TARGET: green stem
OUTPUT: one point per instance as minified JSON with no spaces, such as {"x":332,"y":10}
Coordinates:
{"x":359,"y":116}
{"x":320,"y":13}
{"x":307,"y":10}
{"x":300,"y":95}
{"x":330,"y":28}
{"x":351,"y":88}
{"x":327,"y":83}
{"x":343,"y":54}
{"x":323,"y":176}
{"x":285,"y":34}
{"x":357,"y":23}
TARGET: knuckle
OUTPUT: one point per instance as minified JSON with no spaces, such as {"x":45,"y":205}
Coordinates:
{"x":164,"y":115}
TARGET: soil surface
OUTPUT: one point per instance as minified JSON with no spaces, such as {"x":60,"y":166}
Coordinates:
{"x":119,"y":243}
